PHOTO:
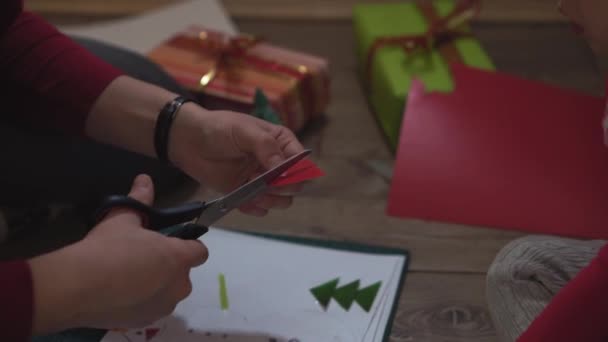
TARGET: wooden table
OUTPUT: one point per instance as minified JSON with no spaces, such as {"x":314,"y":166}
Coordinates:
{"x":444,"y":294}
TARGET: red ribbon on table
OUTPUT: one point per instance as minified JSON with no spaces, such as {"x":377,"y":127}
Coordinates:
{"x":441,"y":30}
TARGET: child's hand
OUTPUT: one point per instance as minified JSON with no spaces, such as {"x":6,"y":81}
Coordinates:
{"x":120,"y":276}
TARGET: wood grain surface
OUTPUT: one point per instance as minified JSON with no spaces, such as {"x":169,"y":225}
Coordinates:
{"x":493,"y":10}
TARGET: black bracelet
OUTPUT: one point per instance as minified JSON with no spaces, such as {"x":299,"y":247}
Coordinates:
{"x":163,"y":126}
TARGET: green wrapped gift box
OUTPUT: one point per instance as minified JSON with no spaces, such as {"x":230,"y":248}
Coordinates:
{"x":391,"y":70}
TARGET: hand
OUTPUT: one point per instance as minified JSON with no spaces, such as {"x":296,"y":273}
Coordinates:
{"x":220,"y":148}
{"x":119,"y":276}
{"x":225,"y":149}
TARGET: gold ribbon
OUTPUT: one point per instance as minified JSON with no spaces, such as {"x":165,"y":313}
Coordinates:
{"x":237,"y":48}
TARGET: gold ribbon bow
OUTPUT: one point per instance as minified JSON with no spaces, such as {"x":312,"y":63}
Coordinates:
{"x":237,"y":48}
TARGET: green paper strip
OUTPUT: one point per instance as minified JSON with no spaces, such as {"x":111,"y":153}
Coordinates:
{"x":223,"y":292}
{"x":366,"y":296}
{"x":324,"y":292}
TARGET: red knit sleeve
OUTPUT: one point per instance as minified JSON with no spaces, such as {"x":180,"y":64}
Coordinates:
{"x":16,"y":301}
{"x":579,"y":311}
{"x":47,"y":78}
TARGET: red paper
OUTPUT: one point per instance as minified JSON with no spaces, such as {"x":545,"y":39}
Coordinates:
{"x":151,"y":332}
{"x":302,"y":171}
{"x":503,"y":152}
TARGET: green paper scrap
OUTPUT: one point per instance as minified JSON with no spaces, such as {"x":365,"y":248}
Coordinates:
{"x":324,"y":292}
{"x":263,"y":110}
{"x":366,"y":296}
{"x":223,"y":292}
{"x":345,"y":295}
{"x":392,"y":70}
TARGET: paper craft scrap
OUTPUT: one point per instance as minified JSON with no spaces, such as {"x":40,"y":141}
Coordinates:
{"x":324,"y":292}
{"x":151,"y":333}
{"x":503,"y":152}
{"x":262,"y":109}
{"x":302,"y":171}
{"x":223,"y":292}
{"x":346,"y":294}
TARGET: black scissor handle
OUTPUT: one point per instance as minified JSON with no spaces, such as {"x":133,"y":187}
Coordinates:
{"x":155,"y":219}
{"x":188,"y":231}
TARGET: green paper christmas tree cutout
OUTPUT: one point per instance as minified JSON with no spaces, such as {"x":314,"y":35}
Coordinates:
{"x":366,"y":296}
{"x":324,"y":292}
{"x":345,"y":295}
{"x":263,"y":110}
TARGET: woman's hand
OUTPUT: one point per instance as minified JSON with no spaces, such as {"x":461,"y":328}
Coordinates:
{"x":120,"y":276}
{"x":222,"y":149}
{"x":225,"y":149}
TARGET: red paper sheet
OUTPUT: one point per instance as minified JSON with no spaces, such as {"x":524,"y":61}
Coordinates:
{"x":302,"y":171}
{"x":503,"y":152}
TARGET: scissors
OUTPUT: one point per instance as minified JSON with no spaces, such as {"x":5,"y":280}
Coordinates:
{"x":191,"y":220}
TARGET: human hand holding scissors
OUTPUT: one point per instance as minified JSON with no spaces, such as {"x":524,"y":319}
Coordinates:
{"x":191,"y":220}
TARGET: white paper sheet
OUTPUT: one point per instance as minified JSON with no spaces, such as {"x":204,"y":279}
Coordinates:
{"x":377,"y":328}
{"x":268,"y":284}
{"x":144,"y":32}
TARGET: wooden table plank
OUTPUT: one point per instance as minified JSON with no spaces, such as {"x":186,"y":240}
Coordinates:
{"x":493,"y":10}
{"x":98,"y":8}
{"x":550,"y":53}
{"x":443,"y":307}
{"x":434,"y":246}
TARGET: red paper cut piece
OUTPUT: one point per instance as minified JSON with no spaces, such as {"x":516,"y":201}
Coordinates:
{"x":302,"y":171}
{"x":151,"y":332}
{"x":503,"y":152}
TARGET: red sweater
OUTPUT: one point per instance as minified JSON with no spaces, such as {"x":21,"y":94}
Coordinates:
{"x":579,"y":311}
{"x":47,"y":80}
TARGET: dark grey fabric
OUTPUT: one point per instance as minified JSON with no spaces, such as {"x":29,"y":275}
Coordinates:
{"x":38,"y":168}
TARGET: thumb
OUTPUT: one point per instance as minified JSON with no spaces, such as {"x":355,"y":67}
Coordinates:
{"x":259,"y":142}
{"x":192,"y":252}
{"x":142,"y":190}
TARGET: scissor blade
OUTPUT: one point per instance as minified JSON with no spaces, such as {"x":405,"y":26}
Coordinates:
{"x":222,"y":206}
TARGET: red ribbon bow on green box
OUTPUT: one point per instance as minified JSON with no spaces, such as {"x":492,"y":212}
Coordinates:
{"x":441,"y":30}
